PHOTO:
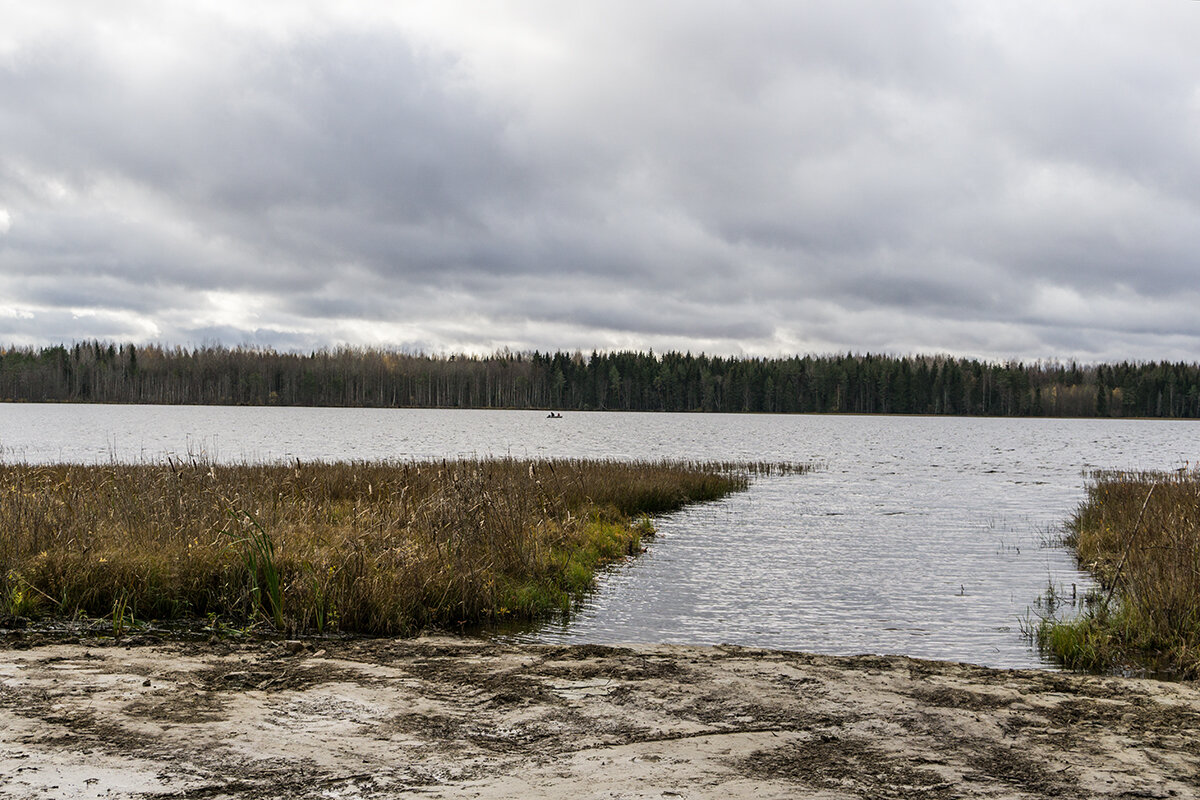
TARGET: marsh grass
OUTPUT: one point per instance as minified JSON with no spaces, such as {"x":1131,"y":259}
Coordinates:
{"x":257,"y":550}
{"x":367,"y":547}
{"x":1139,"y":534}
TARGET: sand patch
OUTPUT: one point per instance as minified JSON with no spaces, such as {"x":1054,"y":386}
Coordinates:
{"x":453,"y":718}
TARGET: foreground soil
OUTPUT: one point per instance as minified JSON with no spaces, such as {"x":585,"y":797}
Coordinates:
{"x":452,"y":718}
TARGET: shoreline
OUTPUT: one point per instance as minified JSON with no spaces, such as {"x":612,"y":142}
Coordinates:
{"x":448,"y":717}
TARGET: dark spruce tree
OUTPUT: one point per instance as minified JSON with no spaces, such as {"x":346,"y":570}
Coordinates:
{"x":105,"y":372}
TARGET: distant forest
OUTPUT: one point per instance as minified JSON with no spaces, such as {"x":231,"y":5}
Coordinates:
{"x":865,"y":384}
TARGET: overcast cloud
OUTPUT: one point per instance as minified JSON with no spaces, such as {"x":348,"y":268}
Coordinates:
{"x":1001,"y":180}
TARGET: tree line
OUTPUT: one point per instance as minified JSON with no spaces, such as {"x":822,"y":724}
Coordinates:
{"x":106,"y":372}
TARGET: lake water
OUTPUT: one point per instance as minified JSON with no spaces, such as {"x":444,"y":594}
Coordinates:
{"x":919,"y":535}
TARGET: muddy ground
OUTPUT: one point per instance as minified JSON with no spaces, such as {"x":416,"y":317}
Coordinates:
{"x":453,"y":718}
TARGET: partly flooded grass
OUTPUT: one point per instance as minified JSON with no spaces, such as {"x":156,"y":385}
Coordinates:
{"x":365,"y":547}
{"x":1139,"y":533}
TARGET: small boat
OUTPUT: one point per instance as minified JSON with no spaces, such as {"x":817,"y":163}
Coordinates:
{"x":552,"y":415}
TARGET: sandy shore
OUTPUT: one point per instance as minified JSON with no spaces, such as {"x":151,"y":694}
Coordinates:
{"x":450,"y":718}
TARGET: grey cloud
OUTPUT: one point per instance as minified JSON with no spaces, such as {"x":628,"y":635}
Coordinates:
{"x":230,"y":336}
{"x":63,"y":327}
{"x":98,"y":292}
{"x":851,"y":176}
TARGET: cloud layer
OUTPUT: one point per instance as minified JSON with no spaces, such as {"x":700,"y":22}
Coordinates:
{"x":996,"y":180}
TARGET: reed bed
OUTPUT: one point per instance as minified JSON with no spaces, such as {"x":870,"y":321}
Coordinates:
{"x":1139,"y":533}
{"x":364,"y":547}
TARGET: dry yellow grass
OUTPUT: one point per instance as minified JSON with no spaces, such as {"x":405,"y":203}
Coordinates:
{"x":1139,"y":533}
{"x":371,"y":547}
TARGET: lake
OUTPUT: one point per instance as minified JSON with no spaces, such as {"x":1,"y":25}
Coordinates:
{"x":925,"y":536}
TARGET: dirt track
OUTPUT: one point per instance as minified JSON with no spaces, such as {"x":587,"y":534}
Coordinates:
{"x":452,"y":718}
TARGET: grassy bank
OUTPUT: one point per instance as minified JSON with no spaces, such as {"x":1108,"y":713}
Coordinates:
{"x":379,"y":548}
{"x":1139,"y":533}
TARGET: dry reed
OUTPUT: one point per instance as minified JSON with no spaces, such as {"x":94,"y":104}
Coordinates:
{"x":1139,"y":533}
{"x":368,"y":547}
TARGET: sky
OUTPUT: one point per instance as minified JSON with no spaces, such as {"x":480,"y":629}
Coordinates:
{"x":993,"y":180}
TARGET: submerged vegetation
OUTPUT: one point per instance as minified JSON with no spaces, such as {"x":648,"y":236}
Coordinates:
{"x":630,"y":381}
{"x":367,"y":547}
{"x":1139,"y":533}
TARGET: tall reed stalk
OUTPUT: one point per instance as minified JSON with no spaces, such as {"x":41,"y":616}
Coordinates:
{"x":258,"y":554}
